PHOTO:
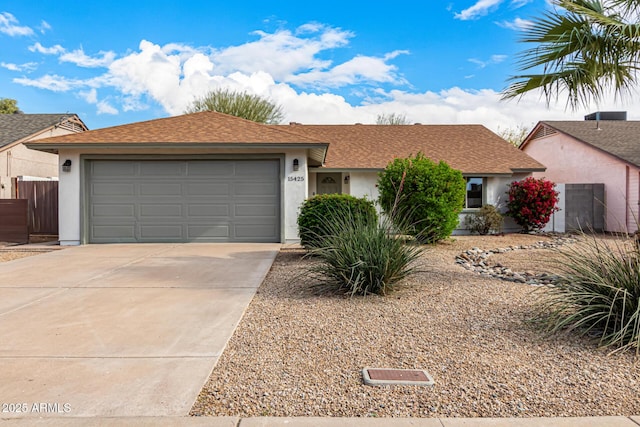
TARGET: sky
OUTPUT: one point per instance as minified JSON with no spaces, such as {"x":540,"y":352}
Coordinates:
{"x":326,"y":62}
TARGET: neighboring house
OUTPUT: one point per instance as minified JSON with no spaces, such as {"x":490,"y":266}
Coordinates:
{"x":604,"y":148}
{"x":213,"y":177}
{"x":18,"y":160}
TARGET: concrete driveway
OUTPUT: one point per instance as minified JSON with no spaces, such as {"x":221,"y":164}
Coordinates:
{"x":120,"y":330}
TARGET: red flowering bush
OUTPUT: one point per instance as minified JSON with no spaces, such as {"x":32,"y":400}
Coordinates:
{"x":531,"y":202}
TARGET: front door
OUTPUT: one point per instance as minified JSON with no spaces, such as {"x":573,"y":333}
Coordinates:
{"x":329,"y":183}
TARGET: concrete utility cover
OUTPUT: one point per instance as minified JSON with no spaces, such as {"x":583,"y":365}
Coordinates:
{"x":386,"y":376}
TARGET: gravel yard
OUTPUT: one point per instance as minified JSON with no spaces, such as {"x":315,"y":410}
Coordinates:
{"x":297,"y":353}
{"x":10,"y":255}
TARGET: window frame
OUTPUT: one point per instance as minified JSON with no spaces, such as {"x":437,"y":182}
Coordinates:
{"x":482,"y":191}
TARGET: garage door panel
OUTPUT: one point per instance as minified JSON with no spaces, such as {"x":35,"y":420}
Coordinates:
{"x":162,"y":169}
{"x":113,"y":210}
{"x":255,"y":189}
{"x":161,"y":232}
{"x":208,"y":189}
{"x":213,"y":169}
{"x":113,"y":169}
{"x":217,"y":210}
{"x":251,"y":231}
{"x":257,"y":210}
{"x":106,"y":232}
{"x":208,"y":232}
{"x":160,"y":211}
{"x":163,"y":189}
{"x":185,"y":200}
{"x":257,"y":168}
{"x":113,"y":189}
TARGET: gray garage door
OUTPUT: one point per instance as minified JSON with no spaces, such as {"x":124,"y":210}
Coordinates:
{"x":183,"y":201}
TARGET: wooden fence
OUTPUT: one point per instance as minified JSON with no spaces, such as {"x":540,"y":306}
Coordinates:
{"x":43,"y":205}
{"x":14,"y":226}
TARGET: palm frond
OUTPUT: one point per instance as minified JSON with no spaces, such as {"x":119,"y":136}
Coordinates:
{"x":582,"y":52}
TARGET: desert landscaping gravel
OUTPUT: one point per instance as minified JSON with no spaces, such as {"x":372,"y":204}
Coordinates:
{"x":10,"y":255}
{"x":300,"y":353}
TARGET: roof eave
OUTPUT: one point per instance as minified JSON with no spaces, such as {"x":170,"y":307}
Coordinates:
{"x":528,"y":170}
{"x":36,"y":145}
{"x":526,"y":140}
{"x":343,"y":169}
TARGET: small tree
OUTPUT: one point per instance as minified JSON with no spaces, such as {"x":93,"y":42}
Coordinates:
{"x":486,"y":220}
{"x":392,"y":119}
{"x":239,"y":104}
{"x":515,"y":136}
{"x":531,"y":202}
{"x":427,"y":196}
{"x":9,"y":106}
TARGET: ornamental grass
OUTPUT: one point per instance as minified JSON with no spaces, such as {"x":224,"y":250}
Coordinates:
{"x":597,"y":293}
{"x":359,"y":257}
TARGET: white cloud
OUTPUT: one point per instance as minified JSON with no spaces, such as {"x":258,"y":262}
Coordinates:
{"x":481,"y":8}
{"x":53,"y":50}
{"x":282,"y":53}
{"x":44,"y":26}
{"x":172,"y":75}
{"x":91,"y":96}
{"x":9,"y":26}
{"x":494,"y":59}
{"x":78,"y":57}
{"x":361,"y":69}
{"x":149,"y":72}
{"x":449,"y":106}
{"x":27,"y":66}
{"x":10,"y":66}
{"x":517,"y":24}
{"x":519,"y":3}
{"x":105,"y":108}
{"x":53,"y":83}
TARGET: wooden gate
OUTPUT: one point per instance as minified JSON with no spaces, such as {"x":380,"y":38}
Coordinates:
{"x":14,"y":226}
{"x":43,"y":205}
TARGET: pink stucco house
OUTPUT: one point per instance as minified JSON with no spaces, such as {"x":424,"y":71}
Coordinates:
{"x":604,"y":148}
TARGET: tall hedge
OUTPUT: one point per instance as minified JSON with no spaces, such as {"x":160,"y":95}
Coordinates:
{"x":316,"y":211}
{"x":422,"y":197}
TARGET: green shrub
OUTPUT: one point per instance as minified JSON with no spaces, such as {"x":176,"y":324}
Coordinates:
{"x":486,"y":220}
{"x":597,"y":293}
{"x":531,"y":202}
{"x":318,"y":211}
{"x":427,"y":195}
{"x":359,"y":256}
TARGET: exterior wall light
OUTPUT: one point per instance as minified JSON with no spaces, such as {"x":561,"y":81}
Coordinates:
{"x":66,"y":166}
{"x":296,"y":164}
{"x":346,"y":179}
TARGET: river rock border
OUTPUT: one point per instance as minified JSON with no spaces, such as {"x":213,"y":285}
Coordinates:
{"x":475,"y":259}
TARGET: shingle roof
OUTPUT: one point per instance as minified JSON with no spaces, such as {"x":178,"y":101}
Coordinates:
{"x":619,"y":138}
{"x":469,"y":148}
{"x":14,"y":127}
{"x":203,"y":127}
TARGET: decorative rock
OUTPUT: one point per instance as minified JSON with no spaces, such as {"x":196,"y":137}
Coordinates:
{"x":475,"y":259}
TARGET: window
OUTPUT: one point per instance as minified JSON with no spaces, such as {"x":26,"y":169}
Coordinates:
{"x":474,"y":192}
